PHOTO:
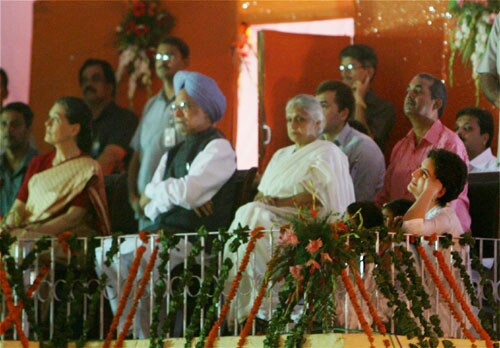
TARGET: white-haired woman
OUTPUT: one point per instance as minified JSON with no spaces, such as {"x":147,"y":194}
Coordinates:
{"x":309,"y":168}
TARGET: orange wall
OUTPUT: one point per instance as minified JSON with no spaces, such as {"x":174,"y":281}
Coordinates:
{"x":66,"y":33}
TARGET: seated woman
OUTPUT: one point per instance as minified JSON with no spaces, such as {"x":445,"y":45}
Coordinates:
{"x":63,"y":190}
{"x":310,"y":169}
{"x":439,"y":180}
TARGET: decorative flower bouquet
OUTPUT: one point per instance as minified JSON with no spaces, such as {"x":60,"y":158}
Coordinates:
{"x":137,"y":36}
{"x":470,"y":34}
{"x":313,"y":254}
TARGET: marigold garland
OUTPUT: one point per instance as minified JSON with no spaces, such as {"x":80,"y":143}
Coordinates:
{"x":361,"y":286}
{"x":446,"y":297}
{"x":9,"y":320}
{"x":465,"y":307}
{"x":38,"y":280}
{"x":13,"y":309}
{"x":126,"y":291}
{"x":142,"y":285}
{"x":255,"y":235}
{"x":357,"y":308}
{"x":253,"y":312}
{"x":62,"y":238}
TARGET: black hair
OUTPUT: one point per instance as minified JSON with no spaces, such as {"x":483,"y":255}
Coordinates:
{"x":484,"y":119}
{"x":372,"y":215}
{"x":23,"y":109}
{"x":77,"y":112}
{"x":398,"y":207}
{"x":451,"y":171}
{"x":358,"y":126}
{"x":177,"y":42}
{"x":362,"y":53}
{"x":438,"y":90}
{"x":107,"y":69}
{"x":343,"y":94}
{"x":5,"y":79}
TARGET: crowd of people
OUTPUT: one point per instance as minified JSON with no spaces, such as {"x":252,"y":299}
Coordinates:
{"x":180,"y":168}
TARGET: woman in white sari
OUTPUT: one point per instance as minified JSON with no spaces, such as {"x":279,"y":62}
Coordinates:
{"x":311,"y":169}
{"x":63,"y":190}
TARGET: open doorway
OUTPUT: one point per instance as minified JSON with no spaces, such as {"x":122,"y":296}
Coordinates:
{"x":248,"y":117}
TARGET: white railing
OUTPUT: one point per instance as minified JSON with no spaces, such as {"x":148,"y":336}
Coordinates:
{"x":47,"y":297}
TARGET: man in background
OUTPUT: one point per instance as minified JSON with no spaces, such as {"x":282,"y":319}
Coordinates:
{"x":366,"y":161}
{"x":489,"y":68}
{"x":15,"y":133}
{"x":156,"y":132}
{"x":113,"y":126}
{"x":358,"y":67}
{"x":475,"y":127}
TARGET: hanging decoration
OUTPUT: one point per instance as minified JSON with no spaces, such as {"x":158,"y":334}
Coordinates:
{"x":137,"y":36}
{"x":469,"y":36}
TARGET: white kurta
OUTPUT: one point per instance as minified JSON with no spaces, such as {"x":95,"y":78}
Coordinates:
{"x":319,"y":168}
{"x":208,"y":172}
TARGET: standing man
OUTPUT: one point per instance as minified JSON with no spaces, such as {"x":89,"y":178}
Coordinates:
{"x":358,"y":67}
{"x":475,"y":127}
{"x":113,"y":126}
{"x":489,"y":69}
{"x":424,"y":104}
{"x":15,"y":132}
{"x":366,"y":161}
{"x":156,"y":132}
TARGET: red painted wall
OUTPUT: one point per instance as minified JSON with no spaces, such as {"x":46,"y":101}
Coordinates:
{"x":409,"y":38}
{"x":407,"y":35}
{"x":66,"y":33}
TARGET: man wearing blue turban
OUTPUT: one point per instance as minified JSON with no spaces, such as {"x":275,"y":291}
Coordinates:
{"x":191,"y":186}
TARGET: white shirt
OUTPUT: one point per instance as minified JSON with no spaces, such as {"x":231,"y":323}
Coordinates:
{"x":491,"y":59}
{"x":484,"y":162}
{"x":208,"y":172}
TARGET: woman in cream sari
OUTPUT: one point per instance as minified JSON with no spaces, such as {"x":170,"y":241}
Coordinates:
{"x":63,"y":190}
{"x":297,"y":174}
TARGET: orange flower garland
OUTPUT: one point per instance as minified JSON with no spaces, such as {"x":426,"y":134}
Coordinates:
{"x":10,"y":319}
{"x":138,"y":295}
{"x":255,"y":235}
{"x":256,"y":305}
{"x":13,"y":310}
{"x":62,"y":239}
{"x":123,"y":300}
{"x":361,"y":286}
{"x":465,"y":307}
{"x":38,"y":280}
{"x":445,"y":295}
{"x":357,"y":308}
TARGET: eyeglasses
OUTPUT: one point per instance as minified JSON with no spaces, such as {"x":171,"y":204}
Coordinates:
{"x":183,"y":106}
{"x":164,"y":57}
{"x":349,"y":67}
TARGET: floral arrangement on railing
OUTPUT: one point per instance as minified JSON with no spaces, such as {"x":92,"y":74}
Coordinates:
{"x":469,"y":36}
{"x":137,"y":37}
{"x":312,"y":251}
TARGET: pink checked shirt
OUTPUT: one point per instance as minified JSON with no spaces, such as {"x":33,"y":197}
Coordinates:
{"x":406,"y":157}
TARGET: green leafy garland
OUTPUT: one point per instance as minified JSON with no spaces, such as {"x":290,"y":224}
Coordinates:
{"x":409,"y":318}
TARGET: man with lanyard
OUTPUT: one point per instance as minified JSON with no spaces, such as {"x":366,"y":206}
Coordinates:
{"x":156,"y":132}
